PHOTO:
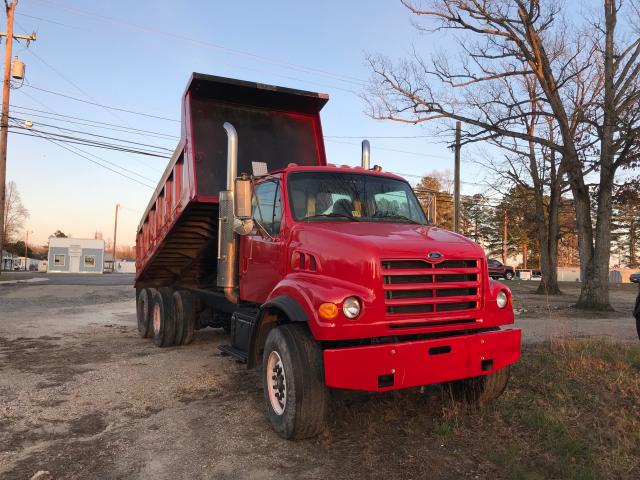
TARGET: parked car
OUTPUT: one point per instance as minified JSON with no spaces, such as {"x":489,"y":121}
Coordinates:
{"x":635,"y":277}
{"x":498,"y":270}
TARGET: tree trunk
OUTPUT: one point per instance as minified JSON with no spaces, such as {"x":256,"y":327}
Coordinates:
{"x":505,"y":246}
{"x":595,"y":285}
{"x":548,"y":239}
{"x":595,"y":282}
{"x":632,"y":243}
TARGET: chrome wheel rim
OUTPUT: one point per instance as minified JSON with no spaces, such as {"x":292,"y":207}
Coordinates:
{"x":156,"y":319}
{"x":276,"y":383}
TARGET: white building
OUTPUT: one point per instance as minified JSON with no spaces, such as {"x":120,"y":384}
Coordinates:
{"x":26,"y":263}
{"x":8,"y":260}
{"x":125,"y":266}
{"x":75,"y":255}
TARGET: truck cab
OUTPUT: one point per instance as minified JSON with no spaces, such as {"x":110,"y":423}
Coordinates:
{"x":326,"y":277}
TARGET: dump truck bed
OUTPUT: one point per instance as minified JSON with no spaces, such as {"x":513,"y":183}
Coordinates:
{"x":177,"y":236}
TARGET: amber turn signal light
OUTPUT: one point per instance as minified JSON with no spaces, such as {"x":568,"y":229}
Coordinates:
{"x":328,"y":311}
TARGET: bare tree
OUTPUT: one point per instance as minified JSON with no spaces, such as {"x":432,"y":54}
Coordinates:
{"x":585,"y":85}
{"x":15,"y":213}
{"x":440,"y":185}
{"x":626,"y":222}
{"x":534,"y":168}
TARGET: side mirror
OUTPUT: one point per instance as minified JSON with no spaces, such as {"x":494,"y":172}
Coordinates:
{"x":242,"y":211}
{"x":242,"y":201}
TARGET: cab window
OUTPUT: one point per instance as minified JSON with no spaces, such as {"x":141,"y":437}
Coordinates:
{"x":267,"y":206}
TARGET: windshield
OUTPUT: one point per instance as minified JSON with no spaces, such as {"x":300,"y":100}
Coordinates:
{"x":355,"y":197}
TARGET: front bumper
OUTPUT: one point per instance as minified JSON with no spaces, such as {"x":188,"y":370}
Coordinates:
{"x":392,"y":366}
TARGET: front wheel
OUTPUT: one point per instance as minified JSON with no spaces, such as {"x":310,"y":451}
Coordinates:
{"x":294,"y":392}
{"x":479,"y":390}
{"x":509,"y":275}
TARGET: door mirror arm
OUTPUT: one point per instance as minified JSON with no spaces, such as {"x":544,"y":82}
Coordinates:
{"x":263,"y":229}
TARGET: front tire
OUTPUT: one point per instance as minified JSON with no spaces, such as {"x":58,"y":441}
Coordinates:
{"x":509,"y":275}
{"x":480,"y":390}
{"x":294,"y":392}
{"x":162,"y":317}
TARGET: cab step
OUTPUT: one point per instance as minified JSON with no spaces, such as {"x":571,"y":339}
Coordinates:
{"x":242,"y":325}
{"x":234,"y":352}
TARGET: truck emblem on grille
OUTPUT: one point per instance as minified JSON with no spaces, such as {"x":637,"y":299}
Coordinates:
{"x":434,"y":256}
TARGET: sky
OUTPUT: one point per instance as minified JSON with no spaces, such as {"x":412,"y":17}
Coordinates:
{"x":138,"y":56}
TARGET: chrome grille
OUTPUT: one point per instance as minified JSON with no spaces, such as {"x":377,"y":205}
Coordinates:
{"x":418,"y":286}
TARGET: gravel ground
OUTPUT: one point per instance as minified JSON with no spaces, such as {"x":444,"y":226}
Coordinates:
{"x":541,"y":317}
{"x":84,"y":397}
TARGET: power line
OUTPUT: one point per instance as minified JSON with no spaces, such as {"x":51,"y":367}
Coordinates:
{"x":158,"y":117}
{"x":70,"y":82}
{"x":232,"y":51}
{"x":89,"y":122}
{"x":330,"y":138}
{"x":99,"y":136}
{"x":51,"y":21}
{"x":137,"y":159}
{"x":48,"y":136}
{"x":418,"y":154}
{"x":356,"y":137}
{"x":87,"y":143}
{"x":413,"y":175}
{"x":95,"y":162}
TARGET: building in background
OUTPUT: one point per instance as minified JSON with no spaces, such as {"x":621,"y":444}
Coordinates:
{"x":125,"y":266}
{"x":8,"y":260}
{"x":75,"y":255}
{"x":108,"y":262}
{"x":27,"y":263}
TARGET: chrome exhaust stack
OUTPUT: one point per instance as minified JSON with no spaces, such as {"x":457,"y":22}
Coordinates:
{"x":366,"y":154}
{"x":227,"y":255}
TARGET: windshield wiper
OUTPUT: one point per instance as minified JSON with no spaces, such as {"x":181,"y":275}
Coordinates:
{"x":399,"y":217}
{"x":332,"y":214}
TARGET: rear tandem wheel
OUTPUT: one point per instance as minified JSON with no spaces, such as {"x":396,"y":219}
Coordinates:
{"x":143,"y":312}
{"x":162,"y":317}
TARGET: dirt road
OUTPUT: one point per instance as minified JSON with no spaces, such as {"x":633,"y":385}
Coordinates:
{"x":84,"y":397}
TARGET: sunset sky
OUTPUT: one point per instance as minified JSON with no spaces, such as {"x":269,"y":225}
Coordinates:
{"x":138,"y":56}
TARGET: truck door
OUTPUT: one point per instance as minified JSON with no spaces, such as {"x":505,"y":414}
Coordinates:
{"x":261,"y":265}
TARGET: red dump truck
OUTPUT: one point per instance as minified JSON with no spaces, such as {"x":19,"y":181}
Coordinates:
{"x":323,"y":276}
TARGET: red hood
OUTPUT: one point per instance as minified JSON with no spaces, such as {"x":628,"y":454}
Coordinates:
{"x":384,"y":240}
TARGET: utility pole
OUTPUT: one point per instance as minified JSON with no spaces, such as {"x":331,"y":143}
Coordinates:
{"x":115,"y":233}
{"x":4,"y":120}
{"x":456,"y":186}
{"x":26,"y":249}
{"x":505,"y":246}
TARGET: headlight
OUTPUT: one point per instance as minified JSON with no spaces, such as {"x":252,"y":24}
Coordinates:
{"x":351,"y":307}
{"x":502,"y":299}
